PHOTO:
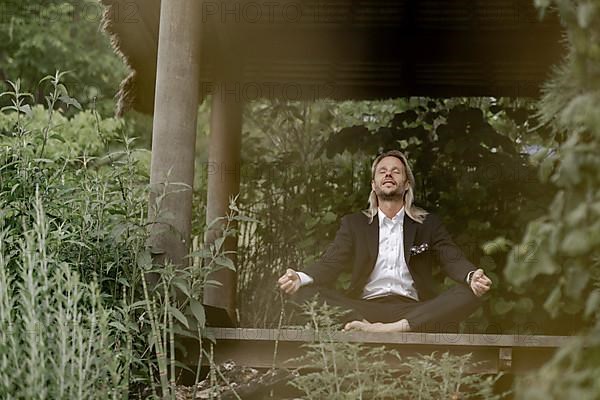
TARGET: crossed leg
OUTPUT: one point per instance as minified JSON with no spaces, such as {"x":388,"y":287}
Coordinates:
{"x":396,"y":314}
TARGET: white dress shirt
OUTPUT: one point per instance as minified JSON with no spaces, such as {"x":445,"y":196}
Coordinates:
{"x":390,"y":276}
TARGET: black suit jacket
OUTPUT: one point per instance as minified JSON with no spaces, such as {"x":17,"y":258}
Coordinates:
{"x":356,"y":247}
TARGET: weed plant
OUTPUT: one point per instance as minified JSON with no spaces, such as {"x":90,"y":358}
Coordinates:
{"x":342,"y":370}
{"x":57,"y":338}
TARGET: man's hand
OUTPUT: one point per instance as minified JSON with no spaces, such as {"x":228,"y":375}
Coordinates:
{"x":289,"y":282}
{"x":480,"y":283}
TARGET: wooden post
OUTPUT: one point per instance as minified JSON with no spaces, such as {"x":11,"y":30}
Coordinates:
{"x":174,"y":128}
{"x":223,"y":182}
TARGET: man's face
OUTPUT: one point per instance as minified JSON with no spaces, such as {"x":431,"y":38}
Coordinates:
{"x":389,"y":182}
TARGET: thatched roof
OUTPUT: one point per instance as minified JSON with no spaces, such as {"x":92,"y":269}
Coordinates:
{"x":344,"y":49}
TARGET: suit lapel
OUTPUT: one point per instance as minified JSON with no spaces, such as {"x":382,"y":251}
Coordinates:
{"x":410,"y":229}
{"x":373,"y":240}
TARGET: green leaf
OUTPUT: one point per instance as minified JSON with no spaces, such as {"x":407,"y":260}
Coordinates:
{"x":219,"y":243}
{"x":214,"y":283}
{"x":198,"y":311}
{"x":225,"y":262}
{"x":144,"y":259}
{"x":57,"y":137}
{"x":576,"y":243}
{"x":577,"y":279}
{"x":546,"y":168}
{"x":25,"y":109}
{"x":552,"y":302}
{"x":502,"y":306}
{"x":118,"y":325}
{"x":592,"y":306}
{"x":138,"y":304}
{"x":181,"y":285}
{"x":329,"y":218}
{"x":585,"y":14}
{"x":70,"y":101}
{"x":498,"y":245}
{"x":578,"y":215}
{"x":179,"y":315}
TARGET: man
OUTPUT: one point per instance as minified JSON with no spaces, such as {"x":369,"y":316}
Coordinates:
{"x":390,"y":250}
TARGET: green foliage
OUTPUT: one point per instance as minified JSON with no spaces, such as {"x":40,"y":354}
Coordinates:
{"x":97,"y":203}
{"x":91,"y":182}
{"x":71,"y":39}
{"x":92,"y":208}
{"x":571,"y":374}
{"x":563,"y":245}
{"x":173,"y":307}
{"x":295,"y":192}
{"x":57,"y":338}
{"x":566,"y":251}
{"x":446,"y":377}
{"x":338,"y":369}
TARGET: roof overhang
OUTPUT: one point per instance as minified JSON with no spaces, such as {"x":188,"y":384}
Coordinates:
{"x":376,"y":49}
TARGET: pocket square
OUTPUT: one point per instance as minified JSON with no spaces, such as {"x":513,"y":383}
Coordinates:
{"x":418,"y":249}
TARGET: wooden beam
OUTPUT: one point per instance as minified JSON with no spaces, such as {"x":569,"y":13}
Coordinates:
{"x":174,"y":129}
{"x":491,"y":353}
{"x":223,"y":183}
{"x":409,"y":338}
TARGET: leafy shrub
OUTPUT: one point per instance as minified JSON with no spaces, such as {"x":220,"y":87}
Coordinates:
{"x":71,"y":39}
{"x":335,"y":369}
{"x":571,"y":374}
{"x":96,"y":202}
{"x":57,"y":339}
{"x":566,"y":256}
{"x":91,"y":183}
{"x":73,"y":226}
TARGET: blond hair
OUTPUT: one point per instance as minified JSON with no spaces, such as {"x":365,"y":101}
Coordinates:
{"x":417,"y":214}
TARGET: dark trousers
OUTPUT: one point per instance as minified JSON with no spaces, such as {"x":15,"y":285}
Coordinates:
{"x":440,"y":314}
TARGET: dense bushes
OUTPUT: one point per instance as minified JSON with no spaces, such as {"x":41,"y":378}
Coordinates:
{"x":72,"y":220}
{"x":566,"y":256}
{"x":38,"y":37}
{"x":57,"y":338}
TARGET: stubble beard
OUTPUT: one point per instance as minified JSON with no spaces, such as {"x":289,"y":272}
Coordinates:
{"x":395,"y":195}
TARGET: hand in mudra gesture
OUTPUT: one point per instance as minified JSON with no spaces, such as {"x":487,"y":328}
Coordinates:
{"x":480,"y":283}
{"x":289,"y":283}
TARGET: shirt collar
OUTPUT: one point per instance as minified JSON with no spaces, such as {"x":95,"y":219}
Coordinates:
{"x":399,"y":217}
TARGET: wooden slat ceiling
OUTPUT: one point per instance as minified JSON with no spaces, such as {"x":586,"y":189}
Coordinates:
{"x":343,"y":49}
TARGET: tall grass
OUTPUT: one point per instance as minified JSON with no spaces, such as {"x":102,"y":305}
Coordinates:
{"x":78,"y":319}
{"x":56,"y":339}
{"x":72,"y":224}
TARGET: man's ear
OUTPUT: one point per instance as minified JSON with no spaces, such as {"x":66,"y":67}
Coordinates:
{"x":373,"y":184}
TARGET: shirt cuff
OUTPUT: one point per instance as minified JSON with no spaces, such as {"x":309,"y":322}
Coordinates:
{"x":469,"y":277}
{"x":304,"y":279}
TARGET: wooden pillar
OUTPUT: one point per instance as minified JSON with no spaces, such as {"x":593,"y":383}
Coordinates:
{"x":174,"y":128}
{"x":223,"y":183}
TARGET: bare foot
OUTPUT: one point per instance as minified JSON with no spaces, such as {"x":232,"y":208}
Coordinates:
{"x":366,"y":326}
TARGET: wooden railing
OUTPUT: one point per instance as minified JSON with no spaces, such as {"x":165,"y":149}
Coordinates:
{"x":491,"y":353}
